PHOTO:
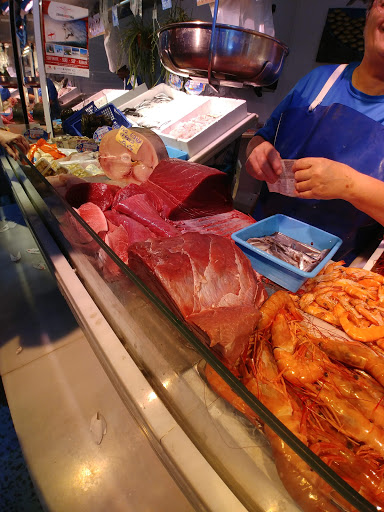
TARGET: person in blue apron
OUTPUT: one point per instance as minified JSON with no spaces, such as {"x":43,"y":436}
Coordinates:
{"x":53,"y":96}
{"x":331,"y":122}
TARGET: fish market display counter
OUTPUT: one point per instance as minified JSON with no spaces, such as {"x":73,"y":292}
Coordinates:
{"x":155,"y":367}
{"x":199,"y":126}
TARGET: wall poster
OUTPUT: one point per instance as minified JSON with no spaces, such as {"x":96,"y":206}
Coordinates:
{"x":65,"y":36}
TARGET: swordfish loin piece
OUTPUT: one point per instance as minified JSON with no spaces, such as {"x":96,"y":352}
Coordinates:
{"x":223,"y":224}
{"x":206,"y":280}
{"x":196,"y":189}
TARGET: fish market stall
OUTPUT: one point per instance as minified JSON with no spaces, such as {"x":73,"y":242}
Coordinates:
{"x":198,"y":126}
{"x":247,"y":452}
{"x":246,"y":363}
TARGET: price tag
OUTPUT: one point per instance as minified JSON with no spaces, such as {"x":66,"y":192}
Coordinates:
{"x":100,"y":132}
{"x":129,"y":139}
{"x":87,"y":146}
{"x":35,"y":133}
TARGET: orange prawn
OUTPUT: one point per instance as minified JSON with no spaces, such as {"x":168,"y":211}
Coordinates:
{"x":349,"y":420}
{"x":276,"y":302}
{"x":354,"y":354}
{"x":296,"y":367}
{"x":363,"y":334}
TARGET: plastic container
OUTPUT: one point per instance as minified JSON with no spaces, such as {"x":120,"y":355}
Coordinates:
{"x":113,"y":113}
{"x":72,"y":125}
{"x":176,"y":153}
{"x":278,"y":271}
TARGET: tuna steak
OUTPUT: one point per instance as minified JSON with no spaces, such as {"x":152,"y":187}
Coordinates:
{"x":93,"y":216}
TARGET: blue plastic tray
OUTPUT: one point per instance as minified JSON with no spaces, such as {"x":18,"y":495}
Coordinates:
{"x":278,"y":271}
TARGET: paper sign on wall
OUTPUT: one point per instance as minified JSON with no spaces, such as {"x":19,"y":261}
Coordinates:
{"x":95,"y":26}
{"x":65,"y":34}
{"x":167,"y":4}
{"x":115,"y":18}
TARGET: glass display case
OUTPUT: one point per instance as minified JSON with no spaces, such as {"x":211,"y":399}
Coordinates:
{"x":271,"y":472}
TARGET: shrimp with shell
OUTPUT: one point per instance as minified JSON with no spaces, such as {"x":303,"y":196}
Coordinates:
{"x":329,"y":392}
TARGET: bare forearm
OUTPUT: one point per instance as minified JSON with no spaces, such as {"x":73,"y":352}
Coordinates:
{"x":367,"y":195}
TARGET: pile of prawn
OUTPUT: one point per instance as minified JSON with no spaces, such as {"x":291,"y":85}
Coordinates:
{"x":349,"y":298}
{"x":327,"y":391}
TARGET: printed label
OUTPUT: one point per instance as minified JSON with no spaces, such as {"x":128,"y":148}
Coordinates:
{"x":36,"y":133}
{"x":87,"y":146}
{"x":129,"y":139}
{"x":100,"y":132}
{"x":285,"y":185}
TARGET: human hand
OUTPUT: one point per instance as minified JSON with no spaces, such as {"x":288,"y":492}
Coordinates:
{"x":9,"y":139}
{"x":264,"y":163}
{"x":320,"y":178}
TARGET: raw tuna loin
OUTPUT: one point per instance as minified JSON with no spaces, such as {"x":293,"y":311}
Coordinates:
{"x":207,"y":280}
{"x":194,"y":189}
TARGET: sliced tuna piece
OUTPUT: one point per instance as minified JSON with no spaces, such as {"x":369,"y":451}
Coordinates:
{"x":196,"y":190}
{"x":223,"y":224}
{"x":137,"y":207}
{"x":101,"y":194}
{"x":118,"y":241}
{"x":136,"y":231}
{"x":93,"y":216}
{"x":131,"y":190}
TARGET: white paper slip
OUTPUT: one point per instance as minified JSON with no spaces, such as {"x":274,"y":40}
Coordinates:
{"x":285,"y":185}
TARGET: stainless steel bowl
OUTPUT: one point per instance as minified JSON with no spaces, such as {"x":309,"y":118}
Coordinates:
{"x":239,"y":57}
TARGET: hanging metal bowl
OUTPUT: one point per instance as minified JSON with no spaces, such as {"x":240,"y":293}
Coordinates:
{"x":226,"y":55}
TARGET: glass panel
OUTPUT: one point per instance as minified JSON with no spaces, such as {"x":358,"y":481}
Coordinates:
{"x":249,"y":444}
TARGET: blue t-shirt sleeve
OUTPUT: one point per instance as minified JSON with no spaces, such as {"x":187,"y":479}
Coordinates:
{"x":5,"y":94}
{"x":52,"y":91}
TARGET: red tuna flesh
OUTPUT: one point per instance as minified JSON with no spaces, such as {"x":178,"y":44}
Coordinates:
{"x":136,"y":231}
{"x":100,"y":194}
{"x":196,"y":189}
{"x":144,"y":212}
{"x":206,"y":279}
{"x":93,"y":216}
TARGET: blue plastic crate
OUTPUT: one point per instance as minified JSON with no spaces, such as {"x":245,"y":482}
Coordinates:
{"x":72,"y":125}
{"x":113,"y":113}
{"x":286,"y":275}
{"x":176,"y":153}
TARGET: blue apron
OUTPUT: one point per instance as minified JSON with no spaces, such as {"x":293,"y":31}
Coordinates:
{"x":342,"y":134}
